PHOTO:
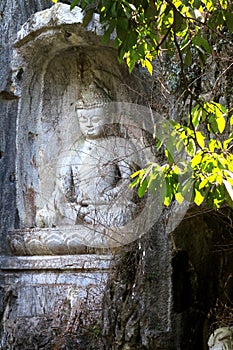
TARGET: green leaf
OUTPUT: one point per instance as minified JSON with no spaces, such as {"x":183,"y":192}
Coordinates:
{"x":122,"y":27}
{"x":142,"y":188}
{"x":178,"y":22}
{"x":212,"y":124}
{"x":201,"y":43}
{"x":229,"y":20}
{"x":179,"y":146}
{"x":196,"y":115}
{"x":202,"y":57}
{"x":88,"y":17}
{"x":134,"y":183}
{"x":191,"y":147}
{"x":73,"y":4}
{"x":187,"y":189}
{"x":197,"y":3}
{"x":141,"y":48}
{"x":113,"y":10}
{"x":206,"y":46}
{"x":150,"y":12}
{"x":188,"y":57}
{"x":217,"y":196}
{"x":163,"y":190}
{"x":132,"y":38}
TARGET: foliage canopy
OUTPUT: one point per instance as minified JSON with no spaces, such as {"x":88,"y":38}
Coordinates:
{"x":186,"y":31}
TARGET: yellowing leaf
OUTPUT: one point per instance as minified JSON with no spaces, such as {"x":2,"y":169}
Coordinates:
{"x":149,"y":66}
{"x":196,"y":159}
{"x":221,"y":124}
{"x":198,"y":198}
{"x":227,"y":142}
{"x":179,"y":197}
{"x":191,"y":147}
{"x":219,"y":179}
{"x":231,"y":120}
{"x":200,"y":139}
{"x":212,"y":145}
{"x":204,"y":183}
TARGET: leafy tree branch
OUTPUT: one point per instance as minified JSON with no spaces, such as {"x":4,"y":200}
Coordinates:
{"x":185,"y":31}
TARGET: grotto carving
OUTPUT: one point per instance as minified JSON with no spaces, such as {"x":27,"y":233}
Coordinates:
{"x":91,"y":201}
{"x":92,"y":178}
{"x":74,"y":156}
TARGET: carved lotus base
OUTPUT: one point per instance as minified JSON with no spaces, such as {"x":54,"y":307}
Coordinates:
{"x":65,"y":240}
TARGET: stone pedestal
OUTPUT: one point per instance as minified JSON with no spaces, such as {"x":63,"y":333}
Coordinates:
{"x":52,"y":302}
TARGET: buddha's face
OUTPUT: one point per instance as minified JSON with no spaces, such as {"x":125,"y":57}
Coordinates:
{"x":91,"y":122}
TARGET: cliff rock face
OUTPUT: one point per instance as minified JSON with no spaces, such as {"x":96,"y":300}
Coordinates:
{"x":158,"y":291}
{"x":13,"y":15}
{"x":137,"y":311}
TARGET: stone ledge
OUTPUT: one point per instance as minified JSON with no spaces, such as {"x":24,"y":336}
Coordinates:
{"x":92,"y":262}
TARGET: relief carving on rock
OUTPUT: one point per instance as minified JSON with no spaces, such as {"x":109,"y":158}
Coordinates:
{"x":76,"y":147}
{"x":91,"y":205}
{"x":93,"y":175}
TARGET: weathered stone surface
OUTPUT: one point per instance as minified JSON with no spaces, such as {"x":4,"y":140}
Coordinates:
{"x":74,"y":69}
{"x":88,"y":262}
{"x":140,"y":300}
{"x":49,"y":302}
{"x":161,"y":291}
{"x":58,"y":15}
{"x":13,"y":14}
{"x":221,"y":339}
{"x":8,"y":216}
{"x":72,"y":64}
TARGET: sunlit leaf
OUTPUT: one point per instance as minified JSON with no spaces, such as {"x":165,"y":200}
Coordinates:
{"x":179,"y":197}
{"x":200,"y":139}
{"x":198,"y":198}
{"x":204,"y":183}
{"x":196,"y":115}
{"x":221,"y":123}
{"x":149,"y":66}
{"x":196,"y":159}
{"x":191,"y":147}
